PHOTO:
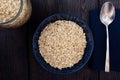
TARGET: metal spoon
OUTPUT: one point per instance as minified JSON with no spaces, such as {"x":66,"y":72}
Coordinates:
{"x":107,"y":15}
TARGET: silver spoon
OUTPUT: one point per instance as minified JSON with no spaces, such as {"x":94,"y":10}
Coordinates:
{"x":107,"y":15}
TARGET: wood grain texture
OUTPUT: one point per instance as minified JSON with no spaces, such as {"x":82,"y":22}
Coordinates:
{"x":13,"y":54}
{"x":109,"y":76}
{"x":116,"y":3}
{"x":80,"y":8}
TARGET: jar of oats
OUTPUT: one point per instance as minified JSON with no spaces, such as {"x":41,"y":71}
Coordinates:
{"x":14,"y":13}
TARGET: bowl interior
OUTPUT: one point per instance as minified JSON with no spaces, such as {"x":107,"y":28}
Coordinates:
{"x":87,"y":52}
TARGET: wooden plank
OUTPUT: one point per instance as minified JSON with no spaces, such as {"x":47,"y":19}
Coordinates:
{"x":13,"y":54}
{"x":80,"y":8}
{"x":44,"y":8}
{"x":111,"y":75}
{"x":116,"y":3}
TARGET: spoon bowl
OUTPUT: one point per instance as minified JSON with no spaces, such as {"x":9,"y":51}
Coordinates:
{"x":107,"y":13}
{"x":107,"y":16}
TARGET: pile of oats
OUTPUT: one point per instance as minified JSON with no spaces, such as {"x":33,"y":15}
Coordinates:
{"x":62,"y":43}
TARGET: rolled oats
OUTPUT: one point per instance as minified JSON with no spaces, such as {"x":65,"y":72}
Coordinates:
{"x":62,"y":43}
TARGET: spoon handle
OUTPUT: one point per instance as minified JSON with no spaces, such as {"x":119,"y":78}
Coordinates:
{"x":107,"y":61}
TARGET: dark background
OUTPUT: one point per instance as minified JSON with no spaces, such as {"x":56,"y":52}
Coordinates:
{"x":16,"y":57}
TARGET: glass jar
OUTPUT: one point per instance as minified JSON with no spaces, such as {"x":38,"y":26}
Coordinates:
{"x":14,"y":13}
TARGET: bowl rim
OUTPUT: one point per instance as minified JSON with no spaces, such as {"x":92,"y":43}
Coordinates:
{"x":36,"y":53}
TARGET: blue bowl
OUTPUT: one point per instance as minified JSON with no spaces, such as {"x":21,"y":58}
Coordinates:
{"x":88,"y":49}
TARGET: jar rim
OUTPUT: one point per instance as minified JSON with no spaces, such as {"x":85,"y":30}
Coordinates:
{"x":17,"y":14}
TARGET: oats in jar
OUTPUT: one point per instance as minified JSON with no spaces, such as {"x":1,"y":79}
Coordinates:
{"x":8,"y":9}
{"x":62,"y":43}
{"x":14,"y":13}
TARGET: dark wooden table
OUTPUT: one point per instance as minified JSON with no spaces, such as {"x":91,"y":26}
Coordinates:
{"x":16,"y":57}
